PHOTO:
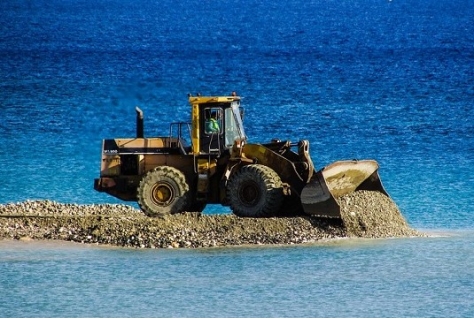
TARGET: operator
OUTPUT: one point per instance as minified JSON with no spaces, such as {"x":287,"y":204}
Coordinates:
{"x":212,"y":126}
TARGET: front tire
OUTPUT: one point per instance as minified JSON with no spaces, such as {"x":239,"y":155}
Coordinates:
{"x":255,"y":191}
{"x":163,"y":191}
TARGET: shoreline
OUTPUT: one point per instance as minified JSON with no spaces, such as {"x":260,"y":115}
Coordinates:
{"x":125,"y":226}
{"x":26,"y":242}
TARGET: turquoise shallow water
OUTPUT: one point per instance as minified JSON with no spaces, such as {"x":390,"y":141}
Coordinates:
{"x":387,"y":80}
{"x":422,"y":277}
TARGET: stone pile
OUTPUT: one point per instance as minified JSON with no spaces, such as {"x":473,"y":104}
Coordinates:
{"x":372,"y":214}
{"x":365,"y":214}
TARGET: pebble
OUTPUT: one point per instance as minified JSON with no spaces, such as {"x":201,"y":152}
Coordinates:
{"x":364,"y":214}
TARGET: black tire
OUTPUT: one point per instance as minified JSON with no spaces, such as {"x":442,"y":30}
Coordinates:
{"x":255,"y":191}
{"x":163,"y":191}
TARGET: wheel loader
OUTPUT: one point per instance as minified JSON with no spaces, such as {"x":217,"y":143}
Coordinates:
{"x":210,"y":160}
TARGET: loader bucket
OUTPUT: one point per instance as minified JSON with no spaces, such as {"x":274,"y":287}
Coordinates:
{"x":318,"y":197}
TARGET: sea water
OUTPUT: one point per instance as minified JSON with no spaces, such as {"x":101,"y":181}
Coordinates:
{"x":373,"y":79}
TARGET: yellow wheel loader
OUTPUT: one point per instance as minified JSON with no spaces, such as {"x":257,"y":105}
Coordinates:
{"x":211,"y":161}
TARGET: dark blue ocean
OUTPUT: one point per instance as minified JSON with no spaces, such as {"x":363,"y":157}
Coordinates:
{"x":390,"y":80}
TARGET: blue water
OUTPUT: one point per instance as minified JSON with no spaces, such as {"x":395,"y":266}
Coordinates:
{"x":366,"y":278}
{"x":386,"y":80}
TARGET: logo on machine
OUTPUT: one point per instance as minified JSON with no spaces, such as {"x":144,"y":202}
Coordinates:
{"x":110,"y":147}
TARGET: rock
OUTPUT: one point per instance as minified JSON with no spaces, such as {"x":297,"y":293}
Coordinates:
{"x":372,"y":214}
{"x":364,"y":214}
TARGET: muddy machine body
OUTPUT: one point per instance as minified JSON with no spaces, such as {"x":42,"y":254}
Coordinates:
{"x":210,"y":160}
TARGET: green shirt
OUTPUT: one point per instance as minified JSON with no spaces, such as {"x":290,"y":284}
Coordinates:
{"x":212,"y":126}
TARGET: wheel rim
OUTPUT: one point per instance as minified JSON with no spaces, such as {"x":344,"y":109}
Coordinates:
{"x":162,"y":194}
{"x":249,"y":193}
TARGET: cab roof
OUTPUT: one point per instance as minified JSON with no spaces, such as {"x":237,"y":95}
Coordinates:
{"x":212,"y":99}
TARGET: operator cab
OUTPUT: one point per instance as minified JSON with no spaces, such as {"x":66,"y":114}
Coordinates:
{"x":221,"y":124}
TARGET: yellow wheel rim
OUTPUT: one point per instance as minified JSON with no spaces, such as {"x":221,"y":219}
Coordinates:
{"x":162,"y":194}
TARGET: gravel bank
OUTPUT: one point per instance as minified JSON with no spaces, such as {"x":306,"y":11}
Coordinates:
{"x":365,"y":214}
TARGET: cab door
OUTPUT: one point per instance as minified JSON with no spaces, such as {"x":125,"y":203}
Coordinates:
{"x":212,"y":134}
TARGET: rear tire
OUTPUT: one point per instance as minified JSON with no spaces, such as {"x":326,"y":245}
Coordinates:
{"x":163,"y":191}
{"x":255,"y":191}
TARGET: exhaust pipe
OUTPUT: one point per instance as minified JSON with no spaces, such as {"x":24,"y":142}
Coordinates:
{"x":140,"y":130}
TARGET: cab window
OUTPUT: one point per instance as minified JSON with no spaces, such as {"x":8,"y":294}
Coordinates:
{"x":213,"y":120}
